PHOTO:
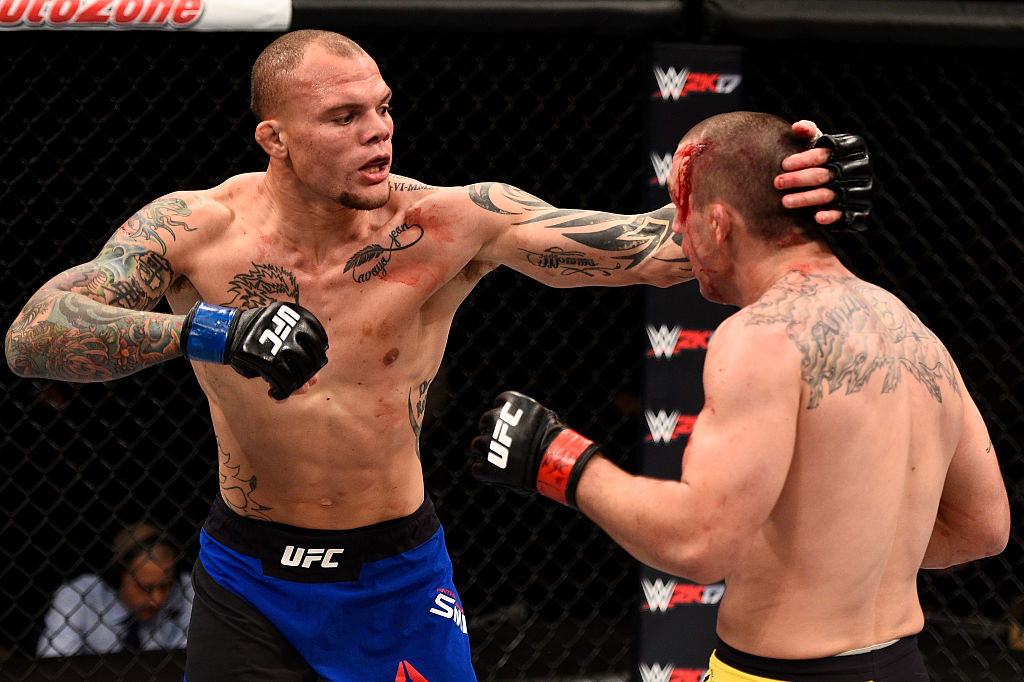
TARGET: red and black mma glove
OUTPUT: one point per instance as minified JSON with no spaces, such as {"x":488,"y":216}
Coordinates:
{"x":852,"y":181}
{"x":525,"y":446}
{"x":284,"y":343}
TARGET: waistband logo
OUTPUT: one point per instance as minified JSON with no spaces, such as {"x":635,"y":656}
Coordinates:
{"x":294,"y":556}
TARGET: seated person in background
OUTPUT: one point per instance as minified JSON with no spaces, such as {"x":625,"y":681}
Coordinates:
{"x":141,"y":602}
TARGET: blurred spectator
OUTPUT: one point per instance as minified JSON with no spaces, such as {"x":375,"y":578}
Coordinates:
{"x":140,"y":602}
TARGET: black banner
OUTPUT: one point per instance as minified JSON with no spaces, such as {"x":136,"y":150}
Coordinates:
{"x":688,"y":83}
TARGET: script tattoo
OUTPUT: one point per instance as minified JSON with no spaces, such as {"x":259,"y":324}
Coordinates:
{"x":567,"y":262}
{"x":73,"y":333}
{"x":372,"y":261}
{"x":237,"y":491}
{"x":409,"y":186}
{"x":261,"y":286}
{"x":416,"y":411}
{"x":158,"y":216}
{"x":845,"y":338}
{"x":633,"y":238}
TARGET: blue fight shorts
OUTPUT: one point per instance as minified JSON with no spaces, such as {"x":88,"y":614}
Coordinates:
{"x":277,"y":603}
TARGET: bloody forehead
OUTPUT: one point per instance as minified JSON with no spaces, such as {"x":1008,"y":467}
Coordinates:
{"x":683,"y":185}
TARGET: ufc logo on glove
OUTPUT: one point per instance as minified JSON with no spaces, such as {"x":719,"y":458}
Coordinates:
{"x":284,"y":321}
{"x":500,"y":440}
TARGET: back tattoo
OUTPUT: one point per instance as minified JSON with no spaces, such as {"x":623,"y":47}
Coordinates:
{"x":847,"y":329}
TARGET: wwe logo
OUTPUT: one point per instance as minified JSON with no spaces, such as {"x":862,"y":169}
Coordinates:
{"x":671,"y":82}
{"x":656,"y":672}
{"x":659,"y":593}
{"x":662,"y":425}
{"x":662,"y":166}
{"x":663,"y":340}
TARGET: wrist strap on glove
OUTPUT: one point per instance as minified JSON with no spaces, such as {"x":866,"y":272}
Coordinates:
{"x":562,"y":465}
{"x":204,"y":334}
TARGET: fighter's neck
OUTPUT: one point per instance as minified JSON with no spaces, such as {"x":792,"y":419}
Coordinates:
{"x":763,"y":270}
{"x":300,"y":215}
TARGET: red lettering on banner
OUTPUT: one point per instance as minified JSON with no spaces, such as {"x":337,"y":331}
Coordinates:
{"x":187,"y":11}
{"x":687,"y":594}
{"x":701,"y":82}
{"x":11,"y":11}
{"x":693,"y":339}
{"x":684,"y":425}
{"x":93,"y":13}
{"x":129,"y":10}
{"x":164,"y":8}
{"x":687,"y":675}
{"x":118,"y":13}
{"x":63,"y":11}
{"x":35,"y":12}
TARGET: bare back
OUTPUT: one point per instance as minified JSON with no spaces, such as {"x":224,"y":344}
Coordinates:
{"x":881,"y":410}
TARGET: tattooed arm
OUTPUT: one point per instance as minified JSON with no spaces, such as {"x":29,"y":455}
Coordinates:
{"x":571,"y":247}
{"x":90,"y":323}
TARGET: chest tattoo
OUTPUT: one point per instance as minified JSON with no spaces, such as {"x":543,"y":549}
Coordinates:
{"x":372,"y":261}
{"x":261,"y":286}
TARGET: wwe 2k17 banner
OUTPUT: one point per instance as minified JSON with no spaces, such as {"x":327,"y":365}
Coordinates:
{"x":687,"y":84}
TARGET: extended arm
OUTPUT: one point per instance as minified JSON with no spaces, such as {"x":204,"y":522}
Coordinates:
{"x":732,"y":474}
{"x":573,"y":247}
{"x":974,"y":513}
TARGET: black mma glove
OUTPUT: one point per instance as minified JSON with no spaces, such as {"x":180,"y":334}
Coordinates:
{"x":525,"y":446}
{"x":852,"y":180}
{"x":284,"y":343}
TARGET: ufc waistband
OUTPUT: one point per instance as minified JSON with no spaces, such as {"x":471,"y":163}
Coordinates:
{"x":898,"y":662}
{"x":318,"y":556}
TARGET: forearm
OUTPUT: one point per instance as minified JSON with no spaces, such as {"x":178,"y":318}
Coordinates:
{"x":71,"y":337}
{"x":950,"y":546}
{"x":648,"y":518}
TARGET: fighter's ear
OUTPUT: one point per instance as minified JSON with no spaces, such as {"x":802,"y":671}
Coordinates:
{"x":270,"y":137}
{"x":721,"y":221}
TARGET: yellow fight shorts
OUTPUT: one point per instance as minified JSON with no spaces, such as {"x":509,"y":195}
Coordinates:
{"x":900,"y":661}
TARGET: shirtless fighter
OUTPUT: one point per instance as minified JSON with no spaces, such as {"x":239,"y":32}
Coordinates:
{"x":322,"y":556}
{"x":837,"y":452}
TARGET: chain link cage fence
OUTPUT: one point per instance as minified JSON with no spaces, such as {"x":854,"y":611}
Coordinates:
{"x":96,"y":125}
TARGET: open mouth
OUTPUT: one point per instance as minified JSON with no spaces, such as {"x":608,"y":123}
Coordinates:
{"x":377,"y":165}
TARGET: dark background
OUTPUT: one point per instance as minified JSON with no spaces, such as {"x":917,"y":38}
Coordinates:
{"x":94,"y":125}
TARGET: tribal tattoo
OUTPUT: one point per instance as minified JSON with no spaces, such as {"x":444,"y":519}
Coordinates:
{"x":372,"y":261}
{"x":237,"y":491}
{"x":416,"y":411}
{"x":845,"y":341}
{"x":158,"y":216}
{"x":634,"y":238}
{"x":261,"y":286}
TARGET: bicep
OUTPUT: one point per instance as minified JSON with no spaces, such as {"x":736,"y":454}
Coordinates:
{"x":739,"y":453}
{"x":133,"y":269}
{"x":974,"y":485}
{"x":124,"y":274}
{"x":570,"y":247}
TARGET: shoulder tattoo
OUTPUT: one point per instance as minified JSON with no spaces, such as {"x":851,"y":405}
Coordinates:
{"x":844,"y":339}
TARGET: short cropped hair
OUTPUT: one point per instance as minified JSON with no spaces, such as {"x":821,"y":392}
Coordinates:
{"x":740,"y":154}
{"x":282,"y":56}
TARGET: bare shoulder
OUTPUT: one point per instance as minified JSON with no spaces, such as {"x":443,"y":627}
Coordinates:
{"x":849,"y":331}
{"x":170,"y":222}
